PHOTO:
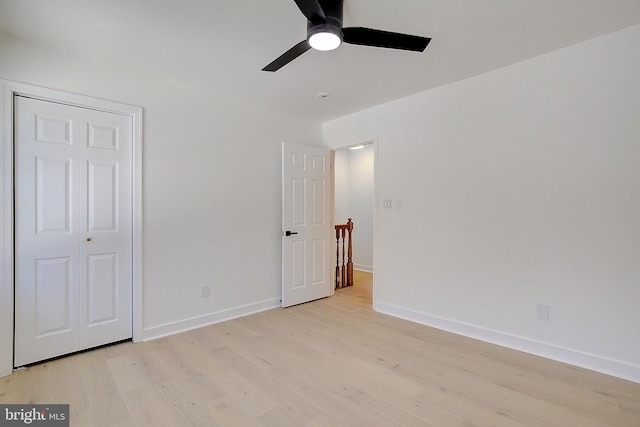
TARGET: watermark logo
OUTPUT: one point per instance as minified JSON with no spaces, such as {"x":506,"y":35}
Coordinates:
{"x":34,"y":415}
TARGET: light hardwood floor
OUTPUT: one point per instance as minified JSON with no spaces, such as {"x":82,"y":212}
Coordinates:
{"x":332,"y":362}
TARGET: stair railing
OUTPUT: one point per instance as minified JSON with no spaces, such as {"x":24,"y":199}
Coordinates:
{"x":344,"y":272}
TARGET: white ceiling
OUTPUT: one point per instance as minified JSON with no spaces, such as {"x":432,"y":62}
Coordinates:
{"x":220,"y":46}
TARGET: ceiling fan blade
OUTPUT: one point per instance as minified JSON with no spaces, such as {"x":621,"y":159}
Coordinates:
{"x":379,"y":38}
{"x":312,"y":10}
{"x":288,"y":56}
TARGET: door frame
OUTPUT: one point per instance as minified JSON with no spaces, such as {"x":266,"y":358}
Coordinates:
{"x":9,"y":89}
{"x":343,"y":146}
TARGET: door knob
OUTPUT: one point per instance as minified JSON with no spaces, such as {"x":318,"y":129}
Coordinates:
{"x":289,"y":233}
{"x":88,"y":239}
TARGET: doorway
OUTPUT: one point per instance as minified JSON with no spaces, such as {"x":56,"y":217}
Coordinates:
{"x":9,"y":92}
{"x":355,"y":197}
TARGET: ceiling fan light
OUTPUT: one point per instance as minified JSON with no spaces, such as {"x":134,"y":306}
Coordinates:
{"x":324,"y":40}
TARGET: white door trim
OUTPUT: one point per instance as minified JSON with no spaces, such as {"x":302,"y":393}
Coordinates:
{"x":8,"y":90}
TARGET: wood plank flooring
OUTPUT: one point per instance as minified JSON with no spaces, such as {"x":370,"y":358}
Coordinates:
{"x":332,"y":362}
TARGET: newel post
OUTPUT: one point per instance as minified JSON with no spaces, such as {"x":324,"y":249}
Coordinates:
{"x":349,"y":254}
{"x":344,"y":272}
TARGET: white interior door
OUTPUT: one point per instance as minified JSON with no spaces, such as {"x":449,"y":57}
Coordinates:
{"x":73,"y":224}
{"x":306,"y":224}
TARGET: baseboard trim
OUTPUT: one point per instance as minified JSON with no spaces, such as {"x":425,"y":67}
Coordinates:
{"x":593,"y":362}
{"x":196,"y":322}
{"x":360,"y":267}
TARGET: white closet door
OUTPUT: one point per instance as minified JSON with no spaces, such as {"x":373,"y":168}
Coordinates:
{"x":73,"y":275}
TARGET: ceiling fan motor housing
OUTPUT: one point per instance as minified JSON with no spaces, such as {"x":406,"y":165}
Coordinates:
{"x":333,"y":23}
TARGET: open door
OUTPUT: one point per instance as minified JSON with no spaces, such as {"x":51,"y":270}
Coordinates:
{"x":306,"y":224}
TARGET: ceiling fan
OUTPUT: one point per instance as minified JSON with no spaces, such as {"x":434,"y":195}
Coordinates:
{"x":325,"y":32}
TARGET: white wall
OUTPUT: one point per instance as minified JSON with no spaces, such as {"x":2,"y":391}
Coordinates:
{"x":354,"y":199}
{"x":341,"y":186}
{"x":520,"y":187}
{"x":211,"y":185}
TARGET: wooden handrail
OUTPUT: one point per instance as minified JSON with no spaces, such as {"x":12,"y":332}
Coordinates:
{"x":344,"y":273}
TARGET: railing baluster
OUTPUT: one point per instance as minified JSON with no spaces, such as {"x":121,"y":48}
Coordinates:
{"x":337,"y":257}
{"x":343,"y":269}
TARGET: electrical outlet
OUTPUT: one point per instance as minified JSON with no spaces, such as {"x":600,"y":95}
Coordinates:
{"x":204,"y":291}
{"x":542,"y":312}
{"x":386,"y":204}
